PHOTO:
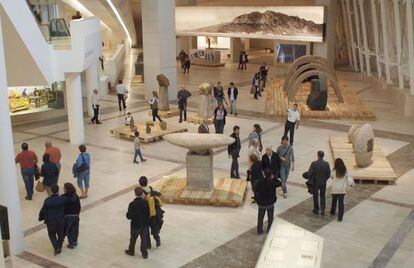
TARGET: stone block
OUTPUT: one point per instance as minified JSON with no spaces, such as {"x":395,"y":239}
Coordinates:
{"x":200,"y":171}
{"x":364,"y":146}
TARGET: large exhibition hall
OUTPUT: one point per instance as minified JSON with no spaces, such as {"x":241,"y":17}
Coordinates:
{"x":207,"y":133}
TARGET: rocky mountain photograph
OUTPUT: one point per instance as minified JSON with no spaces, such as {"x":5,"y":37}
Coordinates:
{"x":267,"y":24}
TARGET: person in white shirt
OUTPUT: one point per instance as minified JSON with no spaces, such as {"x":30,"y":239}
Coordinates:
{"x":292,"y":122}
{"x":121,"y":90}
{"x":232,"y":92}
{"x":95,"y":107}
{"x":154,"y":106}
{"x":340,"y":183}
{"x":137,"y":147}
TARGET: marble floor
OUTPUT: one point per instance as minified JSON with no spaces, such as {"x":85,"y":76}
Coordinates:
{"x":377,"y":227}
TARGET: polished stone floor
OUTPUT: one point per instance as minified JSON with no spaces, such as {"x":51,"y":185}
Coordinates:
{"x":377,"y":227}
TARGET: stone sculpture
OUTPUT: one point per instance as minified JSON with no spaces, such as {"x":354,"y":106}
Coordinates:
{"x":362,"y":139}
{"x":205,"y":96}
{"x":318,"y":97}
{"x":148,"y":125}
{"x":163,"y":102}
{"x":199,"y":159}
{"x":163,"y":125}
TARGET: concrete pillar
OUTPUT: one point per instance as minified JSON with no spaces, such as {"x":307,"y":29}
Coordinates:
{"x":9,"y":193}
{"x":193,"y":42}
{"x":235,"y":49}
{"x":246,"y":44}
{"x":158,"y":27}
{"x":2,"y":263}
{"x":75,"y":109}
{"x":92,"y":82}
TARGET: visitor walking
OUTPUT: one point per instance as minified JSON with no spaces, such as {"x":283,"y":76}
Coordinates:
{"x":156,"y":213}
{"x":138,"y":213}
{"x":95,"y":106}
{"x":244,"y":60}
{"x":52,"y":213}
{"x":137,"y":148}
{"x":287,"y":158}
{"x":181,"y":57}
{"x":234,"y":153}
{"x":264,"y":71}
{"x":121,"y":91}
{"x":256,"y":134}
{"x":50,"y":173}
{"x":54,"y":154}
{"x":292,"y":122}
{"x":254,"y":150}
{"x":220,"y":114}
{"x":254,"y":174}
{"x":28,"y":163}
{"x":340,"y":183}
{"x":255,"y":86}
{"x":83,"y":165}
{"x":187,"y":64}
{"x":182,"y":96}
{"x":319,"y":172}
{"x":240,"y":60}
{"x":154,"y":106}
{"x":219,"y":94}
{"x":271,"y":161}
{"x":266,"y":199}
{"x":72,"y":211}
{"x":233,"y":92}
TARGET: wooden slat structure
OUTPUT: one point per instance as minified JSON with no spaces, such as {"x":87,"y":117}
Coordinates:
{"x":353,"y":108}
{"x":166,"y":114}
{"x":198,"y":120}
{"x":227,"y":192}
{"x":380,"y":171}
{"x":156,"y":132}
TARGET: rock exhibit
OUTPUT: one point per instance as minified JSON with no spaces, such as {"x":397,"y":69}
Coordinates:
{"x":205,"y":95}
{"x":163,"y":82}
{"x":199,"y":158}
{"x":362,"y":139}
{"x":318,"y":97}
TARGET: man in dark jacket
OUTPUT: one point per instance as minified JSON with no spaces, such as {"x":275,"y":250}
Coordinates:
{"x":271,"y":161}
{"x":138,"y":213}
{"x":234,"y":153}
{"x":266,"y":199}
{"x":319,"y":172}
{"x":232,"y":92}
{"x":52,"y":213}
{"x":182,"y":96}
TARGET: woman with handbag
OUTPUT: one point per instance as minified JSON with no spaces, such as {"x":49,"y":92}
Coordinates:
{"x":340,"y":182}
{"x":82,"y":166}
{"x":266,"y":199}
{"x":50,"y":173}
{"x":154,"y":106}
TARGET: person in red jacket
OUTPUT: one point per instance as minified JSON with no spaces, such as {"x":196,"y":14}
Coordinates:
{"x":28,"y":161}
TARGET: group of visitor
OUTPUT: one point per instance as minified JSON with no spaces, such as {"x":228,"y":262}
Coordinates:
{"x":184,"y":61}
{"x":243,"y":60}
{"x":259,"y":81}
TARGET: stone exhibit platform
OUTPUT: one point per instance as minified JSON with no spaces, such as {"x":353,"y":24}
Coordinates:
{"x":198,"y":120}
{"x":227,"y":192}
{"x":156,"y":132}
{"x":352,"y":108}
{"x":380,"y":171}
{"x":166,"y":114}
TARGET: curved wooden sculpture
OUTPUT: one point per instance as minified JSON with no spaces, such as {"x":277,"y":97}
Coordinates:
{"x":295,"y":84}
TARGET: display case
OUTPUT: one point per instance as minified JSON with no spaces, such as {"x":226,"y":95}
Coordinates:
{"x":36,"y":98}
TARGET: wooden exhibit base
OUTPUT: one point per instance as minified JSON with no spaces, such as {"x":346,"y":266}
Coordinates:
{"x":352,"y":108}
{"x":198,"y":120}
{"x":216,"y":64}
{"x":380,"y":171}
{"x":156,"y":132}
{"x":166,"y":114}
{"x":227,"y":192}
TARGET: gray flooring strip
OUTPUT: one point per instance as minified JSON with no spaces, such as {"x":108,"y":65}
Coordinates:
{"x":42,"y":262}
{"x":394,"y":243}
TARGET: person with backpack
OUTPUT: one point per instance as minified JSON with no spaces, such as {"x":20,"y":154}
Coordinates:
{"x":287,"y":162}
{"x":154,"y":106}
{"x":155,"y":211}
{"x":81,"y":171}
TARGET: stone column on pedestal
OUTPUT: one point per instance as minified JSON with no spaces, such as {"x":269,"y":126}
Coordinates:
{"x":9,"y":193}
{"x":75,"y":110}
{"x":159,"y":44}
{"x":200,"y":171}
{"x":92,"y":82}
{"x":164,"y":103}
{"x":205,"y":100}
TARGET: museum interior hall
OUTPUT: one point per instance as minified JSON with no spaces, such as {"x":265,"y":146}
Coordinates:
{"x":206,"y":133}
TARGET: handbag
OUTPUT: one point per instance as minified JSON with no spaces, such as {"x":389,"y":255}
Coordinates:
{"x":83,"y":167}
{"x":40,"y":187}
{"x":252,"y":89}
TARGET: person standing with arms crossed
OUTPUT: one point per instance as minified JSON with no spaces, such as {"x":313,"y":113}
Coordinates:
{"x":234,"y":153}
{"x":292,"y":122}
{"x":121,"y":90}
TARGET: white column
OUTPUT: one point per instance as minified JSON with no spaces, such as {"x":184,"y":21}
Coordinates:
{"x":410,"y":37}
{"x":364,"y":37}
{"x":92,"y":82}
{"x":359,"y":42}
{"x":75,"y":109}
{"x":9,"y":193}
{"x":351,"y":31}
{"x":158,"y":30}
{"x":376,"y":36}
{"x":235,"y":49}
{"x":347,"y":34}
{"x":383,"y":7}
{"x":399,"y":45}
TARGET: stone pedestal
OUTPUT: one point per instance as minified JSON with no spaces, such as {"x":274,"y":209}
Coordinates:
{"x":204,"y":106}
{"x":200,"y":171}
{"x":164,"y":104}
